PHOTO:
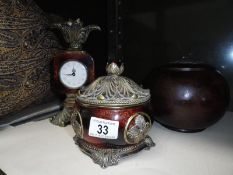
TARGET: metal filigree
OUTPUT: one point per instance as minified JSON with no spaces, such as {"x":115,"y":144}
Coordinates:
{"x":113,"y":90}
{"x":111,"y":156}
{"x":137,"y":128}
{"x":77,"y":123}
{"x":63,"y":117}
{"x":114,"y":69}
{"x":74,"y":33}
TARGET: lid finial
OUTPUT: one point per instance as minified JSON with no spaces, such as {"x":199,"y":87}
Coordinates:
{"x":114,"y":69}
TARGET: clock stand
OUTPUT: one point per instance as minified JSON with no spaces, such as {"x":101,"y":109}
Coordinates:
{"x":68,"y":77}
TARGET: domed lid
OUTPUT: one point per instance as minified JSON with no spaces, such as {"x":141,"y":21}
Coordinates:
{"x":113,"y":90}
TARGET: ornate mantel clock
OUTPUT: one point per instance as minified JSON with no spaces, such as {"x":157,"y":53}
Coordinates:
{"x":73,"y":68}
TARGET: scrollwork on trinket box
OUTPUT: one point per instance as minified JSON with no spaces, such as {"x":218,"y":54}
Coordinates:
{"x":134,"y":133}
{"x":77,"y":123}
{"x":118,"y":90}
{"x":111,"y":156}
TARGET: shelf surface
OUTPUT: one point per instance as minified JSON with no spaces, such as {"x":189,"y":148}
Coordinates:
{"x":41,"y":148}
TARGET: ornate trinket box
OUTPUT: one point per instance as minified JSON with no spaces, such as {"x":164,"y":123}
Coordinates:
{"x":111,"y":119}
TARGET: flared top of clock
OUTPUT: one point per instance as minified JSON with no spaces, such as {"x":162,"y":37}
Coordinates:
{"x":74,"y":33}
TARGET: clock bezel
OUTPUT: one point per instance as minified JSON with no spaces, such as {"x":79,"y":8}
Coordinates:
{"x":59,"y":74}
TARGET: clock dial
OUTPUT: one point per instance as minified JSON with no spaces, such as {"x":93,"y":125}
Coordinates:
{"x":73,"y":74}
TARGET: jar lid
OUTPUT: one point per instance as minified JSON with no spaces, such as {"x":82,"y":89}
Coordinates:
{"x":113,"y":90}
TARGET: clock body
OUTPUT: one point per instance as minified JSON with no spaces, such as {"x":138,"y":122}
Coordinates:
{"x":72,"y":70}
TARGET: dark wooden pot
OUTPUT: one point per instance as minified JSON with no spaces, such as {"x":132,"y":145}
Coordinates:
{"x":188,"y":97}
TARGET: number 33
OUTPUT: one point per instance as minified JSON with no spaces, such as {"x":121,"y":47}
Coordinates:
{"x":100,"y":131}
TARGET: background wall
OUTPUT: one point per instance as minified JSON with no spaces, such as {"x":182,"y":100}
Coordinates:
{"x":157,"y":32}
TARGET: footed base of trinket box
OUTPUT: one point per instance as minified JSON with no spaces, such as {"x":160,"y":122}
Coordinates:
{"x":111,"y":156}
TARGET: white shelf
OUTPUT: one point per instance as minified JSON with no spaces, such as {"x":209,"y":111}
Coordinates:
{"x":39,"y":148}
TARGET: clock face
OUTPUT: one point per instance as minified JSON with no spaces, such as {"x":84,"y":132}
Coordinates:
{"x":73,"y":74}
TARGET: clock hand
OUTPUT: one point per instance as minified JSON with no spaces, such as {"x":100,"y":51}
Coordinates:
{"x":72,"y":74}
{"x":73,"y":70}
{"x":69,"y":74}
